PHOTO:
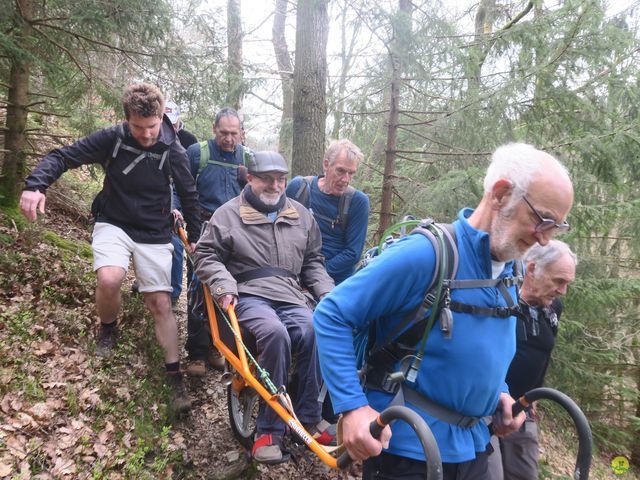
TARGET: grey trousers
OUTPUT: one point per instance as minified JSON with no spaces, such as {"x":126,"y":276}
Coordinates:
{"x":515,"y":457}
{"x":281,"y":329}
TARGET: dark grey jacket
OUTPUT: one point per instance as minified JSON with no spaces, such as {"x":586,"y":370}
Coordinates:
{"x":138,"y":201}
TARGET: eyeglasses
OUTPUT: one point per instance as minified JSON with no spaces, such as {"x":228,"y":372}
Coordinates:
{"x":546,"y":224}
{"x":269,"y":179}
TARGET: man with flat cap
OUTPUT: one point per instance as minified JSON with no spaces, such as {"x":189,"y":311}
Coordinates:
{"x":261,"y":252}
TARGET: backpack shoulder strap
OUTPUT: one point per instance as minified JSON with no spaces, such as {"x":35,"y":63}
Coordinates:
{"x":343,"y":206}
{"x":302,"y":195}
{"x":451,"y":260}
{"x":204,"y":156}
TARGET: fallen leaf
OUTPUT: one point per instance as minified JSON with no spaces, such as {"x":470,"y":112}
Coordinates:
{"x":63,"y":466}
{"x":41,"y":411}
{"x":17,"y":445}
{"x":6,"y":469}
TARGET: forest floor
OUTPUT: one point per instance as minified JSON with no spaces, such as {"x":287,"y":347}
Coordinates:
{"x":66,"y":414}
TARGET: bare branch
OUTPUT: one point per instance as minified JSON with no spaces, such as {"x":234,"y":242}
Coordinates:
{"x":264,"y":100}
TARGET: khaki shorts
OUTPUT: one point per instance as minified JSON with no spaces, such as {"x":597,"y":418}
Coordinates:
{"x":112,"y":247}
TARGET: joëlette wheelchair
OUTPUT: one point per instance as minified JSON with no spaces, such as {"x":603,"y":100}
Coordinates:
{"x":247,"y":383}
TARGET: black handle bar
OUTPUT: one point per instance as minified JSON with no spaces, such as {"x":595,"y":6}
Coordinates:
{"x":431,"y":451}
{"x":583,"y":461}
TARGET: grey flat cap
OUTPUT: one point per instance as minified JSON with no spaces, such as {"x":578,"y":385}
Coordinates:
{"x":268,"y":162}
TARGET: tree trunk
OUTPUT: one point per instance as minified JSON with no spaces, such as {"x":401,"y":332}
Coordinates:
{"x":346,"y":55}
{"x":635,"y":439}
{"x":309,"y":86}
{"x":235,"y":78}
{"x":398,"y":48}
{"x":285,"y":68}
{"x":14,"y":163}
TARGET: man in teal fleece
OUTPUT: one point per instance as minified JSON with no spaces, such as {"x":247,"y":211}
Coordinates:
{"x":527,"y":197}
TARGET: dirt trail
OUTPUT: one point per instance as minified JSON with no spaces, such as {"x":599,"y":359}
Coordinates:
{"x":211,"y":448}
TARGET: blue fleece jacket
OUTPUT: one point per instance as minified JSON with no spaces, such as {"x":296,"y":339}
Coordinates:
{"x":341,"y":247}
{"x":465,"y":373}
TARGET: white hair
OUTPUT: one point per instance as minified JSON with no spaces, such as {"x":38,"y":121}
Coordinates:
{"x":543,"y":256}
{"x":518,"y":163}
{"x":354,"y":154}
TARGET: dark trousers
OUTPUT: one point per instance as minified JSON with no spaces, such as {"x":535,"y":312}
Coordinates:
{"x":392,"y":467}
{"x":176,"y":266}
{"x":280,"y":330}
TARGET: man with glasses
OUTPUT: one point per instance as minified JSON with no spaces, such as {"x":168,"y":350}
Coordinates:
{"x":342,"y":212}
{"x":549,"y":271}
{"x":527,"y":197}
{"x":262,"y":253}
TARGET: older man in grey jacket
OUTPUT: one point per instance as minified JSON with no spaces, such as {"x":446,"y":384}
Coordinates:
{"x":262,"y":252}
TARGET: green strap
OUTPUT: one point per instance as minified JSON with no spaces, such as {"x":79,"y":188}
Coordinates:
{"x":222,"y":164}
{"x":415,"y":365}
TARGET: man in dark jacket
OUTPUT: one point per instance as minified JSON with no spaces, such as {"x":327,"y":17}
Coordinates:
{"x":218,"y":167}
{"x":260,"y":251}
{"x":549,"y":270}
{"x":133,"y":215}
{"x":172,"y":111}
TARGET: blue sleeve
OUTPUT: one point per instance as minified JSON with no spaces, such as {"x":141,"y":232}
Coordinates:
{"x":193,"y":152}
{"x":388,"y":288}
{"x":341,"y":265}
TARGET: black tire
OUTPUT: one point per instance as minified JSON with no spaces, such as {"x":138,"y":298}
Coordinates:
{"x":243,"y":412}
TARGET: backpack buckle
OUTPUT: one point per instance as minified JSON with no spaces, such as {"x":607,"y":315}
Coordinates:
{"x":512,"y":281}
{"x":504,"y":312}
{"x":391,"y":381}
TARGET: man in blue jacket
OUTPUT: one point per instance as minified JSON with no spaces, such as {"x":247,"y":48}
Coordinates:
{"x":343,"y":232}
{"x":220,"y":173}
{"x":527,"y":197}
{"x":140,"y":157}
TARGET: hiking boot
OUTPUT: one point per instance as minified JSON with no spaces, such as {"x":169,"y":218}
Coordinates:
{"x":180,"y":401}
{"x":268,"y":449}
{"x":216,"y":360}
{"x":323,"y":432}
{"x":106,"y":341}
{"x":196,"y":368}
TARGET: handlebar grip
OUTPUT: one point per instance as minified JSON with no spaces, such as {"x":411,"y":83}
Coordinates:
{"x":429,"y":445}
{"x":375,"y":429}
{"x":518,"y":407}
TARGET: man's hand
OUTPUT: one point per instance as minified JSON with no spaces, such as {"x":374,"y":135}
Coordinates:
{"x":356,"y":436}
{"x":31,"y":202}
{"x":192,"y":247}
{"x":227,"y":300}
{"x":503,"y":421}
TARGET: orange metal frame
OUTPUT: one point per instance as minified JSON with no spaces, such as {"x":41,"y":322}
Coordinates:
{"x":241,"y":366}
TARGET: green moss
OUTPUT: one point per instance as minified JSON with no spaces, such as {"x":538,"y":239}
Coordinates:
{"x":10,"y":216}
{"x":79,"y":247}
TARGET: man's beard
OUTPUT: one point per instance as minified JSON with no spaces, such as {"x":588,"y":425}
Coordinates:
{"x":270,"y":198}
{"x":503,"y":248}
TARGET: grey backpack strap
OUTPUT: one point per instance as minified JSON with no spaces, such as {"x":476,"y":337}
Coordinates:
{"x":302,"y":195}
{"x":343,"y":206}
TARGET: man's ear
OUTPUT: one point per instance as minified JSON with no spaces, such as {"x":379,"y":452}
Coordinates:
{"x":530,"y":268}
{"x":501,"y":193}
{"x":325,"y":165}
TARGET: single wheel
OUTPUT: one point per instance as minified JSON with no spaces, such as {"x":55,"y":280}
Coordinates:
{"x":242,"y":403}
